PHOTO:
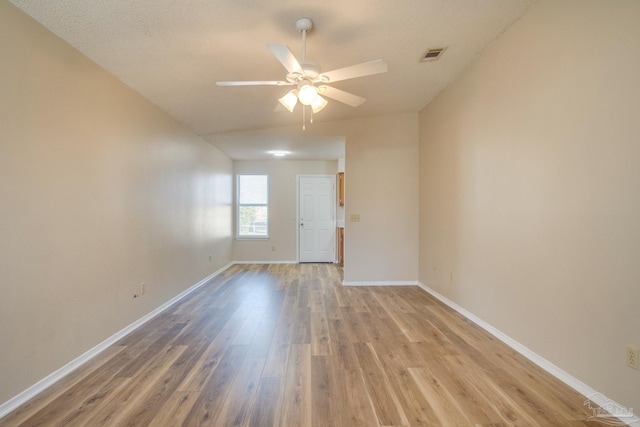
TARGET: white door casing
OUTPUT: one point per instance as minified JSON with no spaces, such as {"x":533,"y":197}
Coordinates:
{"x":316,"y":218}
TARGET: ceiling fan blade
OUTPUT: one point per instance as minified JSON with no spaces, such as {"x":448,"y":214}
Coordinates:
{"x":359,"y":70}
{"x":254,"y":83}
{"x":286,"y":58}
{"x":342,"y":96}
{"x":280,"y":109}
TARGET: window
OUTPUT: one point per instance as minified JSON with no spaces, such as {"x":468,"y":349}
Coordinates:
{"x":253,"y":208}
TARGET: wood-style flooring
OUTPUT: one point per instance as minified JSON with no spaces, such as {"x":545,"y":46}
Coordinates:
{"x":288,"y":345}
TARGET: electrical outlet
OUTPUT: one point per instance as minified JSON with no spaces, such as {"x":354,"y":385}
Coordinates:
{"x":451,"y":277}
{"x":632,"y":358}
{"x":273,"y":247}
{"x":210,"y":257}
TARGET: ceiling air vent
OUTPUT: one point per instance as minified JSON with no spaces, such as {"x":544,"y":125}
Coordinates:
{"x":432,"y":54}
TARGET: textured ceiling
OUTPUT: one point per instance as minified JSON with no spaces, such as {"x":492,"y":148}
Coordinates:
{"x":172,"y":52}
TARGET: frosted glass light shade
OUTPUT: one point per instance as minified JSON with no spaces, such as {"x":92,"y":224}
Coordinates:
{"x":318,"y":104}
{"x":307,"y":94}
{"x":289,"y":101}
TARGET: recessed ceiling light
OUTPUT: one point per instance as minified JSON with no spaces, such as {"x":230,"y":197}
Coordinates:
{"x":279,"y":153}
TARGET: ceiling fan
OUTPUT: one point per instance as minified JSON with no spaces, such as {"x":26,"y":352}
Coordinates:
{"x":310,"y":83}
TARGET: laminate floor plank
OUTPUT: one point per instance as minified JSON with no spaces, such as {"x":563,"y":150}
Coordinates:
{"x":198,"y":374}
{"x":320,"y":339}
{"x":278,"y":351}
{"x":264,"y":412}
{"x":565,"y":403}
{"x":95,"y":385}
{"x":303,"y":296}
{"x":250,"y":323}
{"x":137,"y":363}
{"x":91,"y":406}
{"x":374,"y":305}
{"x":483,"y":382}
{"x":329,"y":394}
{"x":42,"y":400}
{"x":301,"y":333}
{"x":287,"y":345}
{"x":448,"y":410}
{"x":344,"y":361}
{"x":161,"y":391}
{"x":406,"y":323}
{"x":358,"y":330}
{"x":380,"y":329}
{"x":316,"y":302}
{"x":175,"y":410}
{"x":383,"y":398}
{"x":294,"y":406}
{"x":415,"y":404}
{"x":120,"y":404}
{"x":276,"y":362}
{"x":237,"y":407}
{"x":341,"y":295}
{"x":389,"y":299}
{"x":331,"y":306}
{"x":212,"y":398}
{"x":356,"y":300}
{"x":263,"y":336}
{"x":470,"y":399}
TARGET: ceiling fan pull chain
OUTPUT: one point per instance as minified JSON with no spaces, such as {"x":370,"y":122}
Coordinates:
{"x":304,"y":110}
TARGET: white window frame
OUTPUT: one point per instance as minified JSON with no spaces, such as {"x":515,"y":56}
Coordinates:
{"x":239,"y":205}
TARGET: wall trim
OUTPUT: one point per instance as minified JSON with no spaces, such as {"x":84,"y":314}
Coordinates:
{"x":381,"y":283}
{"x":582,"y":388}
{"x":58,"y":374}
{"x":263,"y":262}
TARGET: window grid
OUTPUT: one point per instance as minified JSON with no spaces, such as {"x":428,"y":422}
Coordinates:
{"x":252,"y":207}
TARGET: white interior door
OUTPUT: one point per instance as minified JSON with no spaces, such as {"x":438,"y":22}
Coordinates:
{"x":316,"y":214}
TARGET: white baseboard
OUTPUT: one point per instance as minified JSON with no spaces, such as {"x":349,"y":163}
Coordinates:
{"x":57,"y":375}
{"x":381,"y":283}
{"x":582,"y":388}
{"x":263,"y":262}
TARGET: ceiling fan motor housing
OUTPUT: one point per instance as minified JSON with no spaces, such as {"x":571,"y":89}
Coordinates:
{"x":310,"y":72}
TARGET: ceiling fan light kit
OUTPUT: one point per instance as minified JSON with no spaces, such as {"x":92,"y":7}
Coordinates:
{"x":307,"y":94}
{"x":289,"y":101}
{"x":309,"y":79}
{"x":318,"y":104}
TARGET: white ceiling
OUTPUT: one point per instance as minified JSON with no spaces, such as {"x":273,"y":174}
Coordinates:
{"x":172,"y":52}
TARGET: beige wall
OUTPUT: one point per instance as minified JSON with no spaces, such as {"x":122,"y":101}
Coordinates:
{"x":282,"y":207}
{"x":381,"y":179}
{"x":381,"y":184}
{"x":530,"y":188}
{"x":99,"y":191}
